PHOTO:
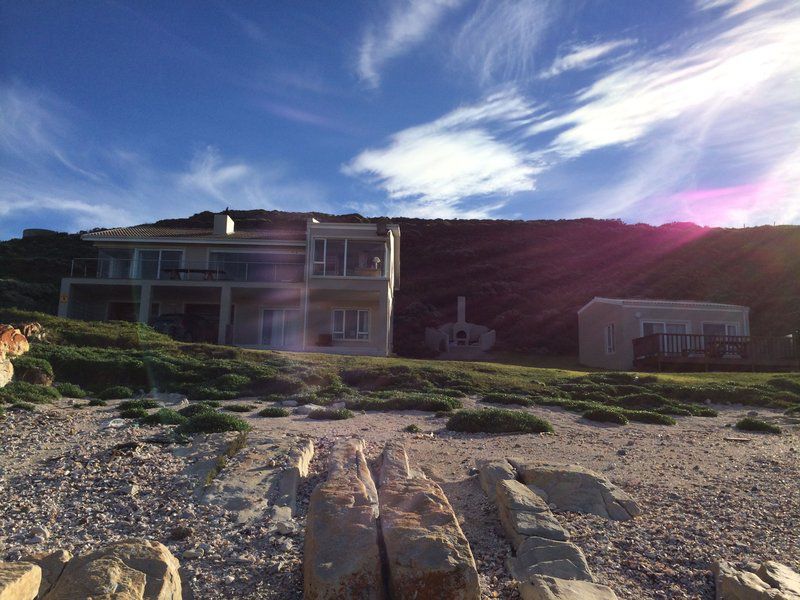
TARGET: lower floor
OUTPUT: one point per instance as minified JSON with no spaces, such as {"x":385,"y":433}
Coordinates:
{"x":291,"y":318}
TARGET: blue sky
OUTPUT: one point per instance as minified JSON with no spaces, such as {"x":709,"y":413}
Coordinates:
{"x":114,"y":113}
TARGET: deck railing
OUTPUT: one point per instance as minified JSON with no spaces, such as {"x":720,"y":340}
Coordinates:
{"x":145,"y":269}
{"x":723,"y":348}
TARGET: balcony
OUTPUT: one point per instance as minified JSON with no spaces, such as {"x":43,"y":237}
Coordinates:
{"x":675,"y":351}
{"x":149,"y":270}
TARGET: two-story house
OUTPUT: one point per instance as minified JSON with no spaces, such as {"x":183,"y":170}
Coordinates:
{"x":329,"y":288}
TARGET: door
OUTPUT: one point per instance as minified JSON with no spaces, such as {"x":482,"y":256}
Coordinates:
{"x":280,"y":328}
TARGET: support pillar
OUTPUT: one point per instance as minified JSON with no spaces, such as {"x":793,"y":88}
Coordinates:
{"x":144,"y":303}
{"x":224,"y":313}
{"x":63,"y":298}
{"x":383,"y":317}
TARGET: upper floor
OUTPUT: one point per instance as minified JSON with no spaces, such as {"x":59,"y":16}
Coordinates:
{"x":319,"y":255}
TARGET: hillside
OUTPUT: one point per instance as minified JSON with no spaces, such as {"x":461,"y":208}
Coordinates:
{"x":526,"y":279}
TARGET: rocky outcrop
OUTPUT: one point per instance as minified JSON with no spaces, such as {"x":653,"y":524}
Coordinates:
{"x":525,"y":514}
{"x":135,"y":569}
{"x":19,"y":581}
{"x":33,"y":330}
{"x":52,"y":565}
{"x":542,"y":556}
{"x":551,"y":588}
{"x":341,"y":556}
{"x":490,"y":471}
{"x":295,"y":469}
{"x":771,"y":581}
{"x":12,"y":343}
{"x":576,"y":489}
{"x":427,"y":554}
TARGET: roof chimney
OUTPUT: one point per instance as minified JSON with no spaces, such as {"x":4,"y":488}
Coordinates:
{"x":223,"y":224}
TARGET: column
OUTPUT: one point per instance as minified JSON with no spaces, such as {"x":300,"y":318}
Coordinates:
{"x":144,"y":303}
{"x":383,"y":317}
{"x":63,"y":299}
{"x":224,"y":313}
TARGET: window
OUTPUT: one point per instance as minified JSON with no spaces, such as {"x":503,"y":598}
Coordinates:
{"x":720,"y":329}
{"x":611,"y":345}
{"x":651,"y":327}
{"x":350,"y":324}
{"x":257,"y":266}
{"x":350,"y":258}
{"x":114,"y":263}
{"x":159,"y":264}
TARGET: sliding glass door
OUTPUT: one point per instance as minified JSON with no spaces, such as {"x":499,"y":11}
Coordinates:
{"x":281,"y":328}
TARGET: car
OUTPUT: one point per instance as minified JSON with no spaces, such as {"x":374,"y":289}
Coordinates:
{"x":186,"y":327}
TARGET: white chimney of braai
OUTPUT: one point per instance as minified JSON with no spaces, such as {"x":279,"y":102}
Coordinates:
{"x":462,"y":309}
{"x":223,"y":224}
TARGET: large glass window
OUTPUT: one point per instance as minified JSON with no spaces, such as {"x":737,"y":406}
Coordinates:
{"x":350,"y":324}
{"x":257,"y":266}
{"x":114,"y":263}
{"x":160,"y":264}
{"x":351,"y":258}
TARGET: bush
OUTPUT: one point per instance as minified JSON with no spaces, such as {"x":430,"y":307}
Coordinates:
{"x":647,"y":416}
{"x":232,"y":382}
{"x":21,"y":391}
{"x":499,"y":398}
{"x":276,"y":384}
{"x":406,"y":401}
{"x":97,"y":402}
{"x":622,"y":377}
{"x":606,"y":415}
{"x":642,"y":400}
{"x":213,"y":422}
{"x":785,"y":384}
{"x":240,"y":408}
{"x":497,"y":420}
{"x":195,"y":408}
{"x":2,"y":411}
{"x":164,"y":416}
{"x":24,"y":406}
{"x":135,"y":412}
{"x":33,"y":370}
{"x":331,"y":414}
{"x":753,"y":424}
{"x":70,"y":390}
{"x":115,"y":392}
{"x":793,"y":410}
{"x":413,"y":428}
{"x":273,"y":411}
{"x":205,"y":392}
{"x":138,"y":403}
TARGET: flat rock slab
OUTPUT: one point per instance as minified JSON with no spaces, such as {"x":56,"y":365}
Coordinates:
{"x":780,"y":576}
{"x":134,"y":569}
{"x":542,"y":556}
{"x":207,"y":455}
{"x":779,"y":582}
{"x":341,"y":555}
{"x":525,"y":514}
{"x":551,"y":588}
{"x":490,"y":471}
{"x":574,"y":488}
{"x":19,"y":580}
{"x":427,"y":554}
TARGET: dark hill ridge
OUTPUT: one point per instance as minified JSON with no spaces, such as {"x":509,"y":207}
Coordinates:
{"x":526,"y":279}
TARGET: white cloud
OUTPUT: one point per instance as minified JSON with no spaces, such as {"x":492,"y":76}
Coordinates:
{"x":431,"y":169}
{"x":408,"y":23}
{"x":583,"y":56}
{"x":733,"y":7}
{"x":500,"y":40}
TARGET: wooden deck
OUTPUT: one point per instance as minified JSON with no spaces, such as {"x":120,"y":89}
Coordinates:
{"x":680,"y":351}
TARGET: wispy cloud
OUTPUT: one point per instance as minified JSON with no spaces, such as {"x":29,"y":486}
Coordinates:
{"x":407,"y":24}
{"x":732,"y":7}
{"x":583,"y":56}
{"x":433,"y":168}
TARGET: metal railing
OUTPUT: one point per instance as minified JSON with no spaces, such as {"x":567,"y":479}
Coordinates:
{"x":152,"y":269}
{"x":730,"y":348}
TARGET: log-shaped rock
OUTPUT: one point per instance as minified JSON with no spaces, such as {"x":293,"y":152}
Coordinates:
{"x":550,"y":588}
{"x":490,"y":471}
{"x":541,"y":556}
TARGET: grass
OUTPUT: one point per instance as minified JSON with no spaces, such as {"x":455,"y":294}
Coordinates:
{"x":331,"y":414}
{"x":497,"y":420}
{"x":405,"y":401}
{"x":144,"y":403}
{"x":606,"y":415}
{"x":135,"y":412}
{"x":21,"y":391}
{"x":164,"y":416}
{"x":501,"y":398}
{"x":70,"y":390}
{"x":29,"y":406}
{"x":115,"y":392}
{"x":196,"y":408}
{"x":97,"y":402}
{"x":213,"y":422}
{"x":273,"y":411}
{"x":648,"y":416}
{"x":753,"y":424}
{"x":239,"y":408}
{"x":33,"y":370}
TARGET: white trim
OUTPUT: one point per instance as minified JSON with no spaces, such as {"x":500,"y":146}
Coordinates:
{"x":356,"y":339}
{"x":684,"y":304}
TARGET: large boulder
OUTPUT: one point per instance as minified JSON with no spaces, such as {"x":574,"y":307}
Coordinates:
{"x":135,"y":569}
{"x":492,"y":470}
{"x":52,"y":565}
{"x":341,"y":555}
{"x":427,"y":554}
{"x":551,"y":588}
{"x":12,"y":343}
{"x":574,"y":488}
{"x":772,"y":581}
{"x":780,"y":577}
{"x":19,"y":581}
{"x":542,"y":556}
{"x":524,"y":514}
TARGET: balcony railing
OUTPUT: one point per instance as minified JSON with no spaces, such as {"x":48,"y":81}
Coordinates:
{"x":673,"y":348}
{"x":119,"y":268}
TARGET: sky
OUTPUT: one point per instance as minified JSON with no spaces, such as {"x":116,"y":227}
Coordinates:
{"x":116,"y":113}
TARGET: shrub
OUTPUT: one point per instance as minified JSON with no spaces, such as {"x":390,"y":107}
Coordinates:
{"x":138,"y":403}
{"x":24,"y":406}
{"x":672,"y":409}
{"x":785,"y":384}
{"x":273,"y":411}
{"x":115,"y":392}
{"x":413,"y":428}
{"x":21,"y":391}
{"x":753,"y":424}
{"x":135,"y":412}
{"x":497,"y":420}
{"x":213,"y":422}
{"x":164,"y":416}
{"x":406,"y":401}
{"x":331,"y":414}
{"x":196,"y":408}
{"x":205,"y":392}
{"x":499,"y":398}
{"x":647,"y":416}
{"x":793,"y":410}
{"x":306,"y":398}
{"x":622,"y":377}
{"x":232,"y":382}
{"x":2,"y":411}
{"x":97,"y":402}
{"x":276,"y":384}
{"x":606,"y":415}
{"x":642,"y":400}
{"x":70,"y":390}
{"x":240,"y":408}
{"x":33,"y":370}
{"x":701,"y":411}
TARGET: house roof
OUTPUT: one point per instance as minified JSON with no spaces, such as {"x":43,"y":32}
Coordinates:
{"x":156,"y":233}
{"x":644,"y":303}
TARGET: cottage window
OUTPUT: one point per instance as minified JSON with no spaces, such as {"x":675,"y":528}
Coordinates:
{"x":611,"y":344}
{"x":351,"y":324}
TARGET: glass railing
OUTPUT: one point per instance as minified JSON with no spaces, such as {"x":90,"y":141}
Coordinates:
{"x":119,"y":268}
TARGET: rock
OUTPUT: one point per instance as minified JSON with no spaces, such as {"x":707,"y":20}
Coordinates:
{"x":550,"y":588}
{"x":427,"y":554}
{"x":341,"y":553}
{"x":515,"y":495}
{"x":136,"y":569}
{"x":12,"y":342}
{"x":306,"y":408}
{"x":52,"y":565}
{"x":115,"y":424}
{"x":574,"y":488}
{"x":295,"y":470}
{"x":181,"y":532}
{"x":193,"y":553}
{"x":286,"y":527}
{"x":42,"y":532}
{"x":289,"y":403}
{"x":491,"y":471}
{"x":19,"y":580}
{"x":337,"y":405}
{"x":523,"y":514}
{"x":6,"y":371}
{"x":780,"y":576}
{"x":33,"y":330}
{"x":542,"y":556}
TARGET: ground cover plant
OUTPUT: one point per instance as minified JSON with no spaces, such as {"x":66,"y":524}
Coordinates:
{"x":753,"y":424}
{"x":405,"y":401}
{"x":240,"y":408}
{"x":33,"y":370}
{"x":21,"y":391}
{"x":503,"y":398}
{"x":29,"y":406}
{"x":331,"y":414}
{"x":133,"y":412}
{"x":144,"y":403}
{"x":497,"y":420}
{"x":273,"y":411}
{"x":97,"y":402}
{"x":606,"y":415}
{"x":115,"y":392}
{"x":164,"y":416}
{"x":70,"y":390}
{"x":211,"y":421}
